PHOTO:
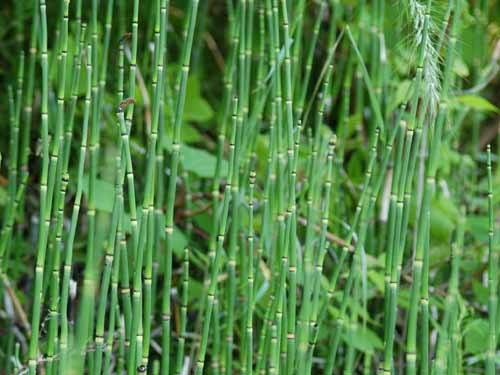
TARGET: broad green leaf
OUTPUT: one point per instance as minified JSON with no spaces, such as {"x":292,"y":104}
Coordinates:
{"x":478,"y":103}
{"x":190,"y":134}
{"x":179,"y":240}
{"x":196,"y":291}
{"x":476,"y":336}
{"x":355,"y":167}
{"x":377,"y":278}
{"x":204,"y":220}
{"x":439,"y":254}
{"x":480,"y":292}
{"x":196,"y":108}
{"x":478,"y":227}
{"x":444,"y":217}
{"x":197,"y":160}
{"x":200,"y":162}
{"x":105,"y":194}
{"x":365,"y":340}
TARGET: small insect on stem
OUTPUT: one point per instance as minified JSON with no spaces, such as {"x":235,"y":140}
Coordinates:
{"x":125,"y":37}
{"x":124,"y":103}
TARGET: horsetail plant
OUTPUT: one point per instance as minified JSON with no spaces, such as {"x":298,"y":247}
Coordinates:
{"x":43,"y":224}
{"x":233,"y":187}
{"x":492,"y":276}
{"x":64,"y":335}
{"x":169,"y":215}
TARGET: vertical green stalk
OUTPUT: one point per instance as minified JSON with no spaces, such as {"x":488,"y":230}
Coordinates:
{"x":456,"y":254}
{"x":12,"y":188}
{"x":235,"y":198}
{"x":183,"y":318}
{"x":322,"y":249}
{"x":445,"y":353}
{"x":52,"y":340}
{"x":56,"y":162}
{"x":169,"y":215}
{"x":68,"y":259}
{"x":429,"y":187}
{"x":215,"y":256}
{"x":114,"y":306}
{"x":302,"y":92}
{"x":133,"y":62}
{"x":360,"y":214}
{"x":492,"y":277}
{"x":304,"y":322}
{"x":109,"y":260}
{"x":28,"y":106}
{"x":148,"y":202}
{"x":43,"y":225}
{"x":247,"y":355}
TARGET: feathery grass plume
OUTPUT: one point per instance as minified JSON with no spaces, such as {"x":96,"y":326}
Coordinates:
{"x":417,"y":15}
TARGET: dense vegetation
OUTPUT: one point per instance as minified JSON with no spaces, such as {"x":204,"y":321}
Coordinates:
{"x":249,"y":187}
